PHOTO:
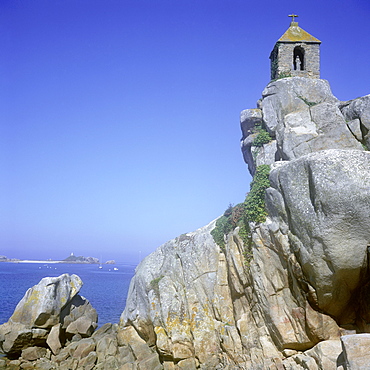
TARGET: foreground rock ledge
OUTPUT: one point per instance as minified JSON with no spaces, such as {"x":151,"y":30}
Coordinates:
{"x":53,"y":327}
{"x":49,"y":314}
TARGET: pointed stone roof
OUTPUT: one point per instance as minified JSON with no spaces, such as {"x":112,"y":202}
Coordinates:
{"x":296,"y":34}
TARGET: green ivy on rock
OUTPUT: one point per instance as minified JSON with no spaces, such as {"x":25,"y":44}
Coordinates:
{"x":255,"y":201}
{"x":262,"y":137}
{"x":252,"y":210}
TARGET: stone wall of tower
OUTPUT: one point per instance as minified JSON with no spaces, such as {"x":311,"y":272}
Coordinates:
{"x":282,"y":60}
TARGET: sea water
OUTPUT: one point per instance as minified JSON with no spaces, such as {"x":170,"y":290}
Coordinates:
{"x":106,"y":288}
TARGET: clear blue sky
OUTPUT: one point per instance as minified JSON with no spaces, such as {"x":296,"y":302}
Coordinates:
{"x":120,"y":119}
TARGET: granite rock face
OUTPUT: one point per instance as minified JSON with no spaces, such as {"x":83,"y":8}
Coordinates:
{"x":66,"y":336}
{"x":356,"y":354}
{"x":107,"y":349}
{"x":52,"y":308}
{"x":214,"y":309}
{"x":42,"y":304}
{"x":323,"y":199}
{"x":357,"y":114}
{"x":179,"y":300}
{"x":307,"y":282}
{"x":302,"y":116}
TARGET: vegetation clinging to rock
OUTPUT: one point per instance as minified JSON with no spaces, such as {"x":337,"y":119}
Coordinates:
{"x":252,"y":210}
{"x":226,"y":223}
{"x":255,"y":201}
{"x":262,"y":137}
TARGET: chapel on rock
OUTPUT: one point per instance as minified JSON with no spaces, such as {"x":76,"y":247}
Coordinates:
{"x":296,"y":53}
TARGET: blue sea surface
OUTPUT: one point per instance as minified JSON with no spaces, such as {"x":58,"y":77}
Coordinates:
{"x":105,"y":288}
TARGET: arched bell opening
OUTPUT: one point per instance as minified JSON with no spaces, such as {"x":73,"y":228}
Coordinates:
{"x":298,"y":59}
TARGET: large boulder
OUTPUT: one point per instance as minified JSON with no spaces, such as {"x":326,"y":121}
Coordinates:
{"x":42,"y":304}
{"x":293,"y":94}
{"x":322,"y":201}
{"x":302,"y":116}
{"x":255,"y":155}
{"x":357,"y":113}
{"x":317,"y":127}
{"x":356,"y":355}
{"x":79,"y":317}
{"x":179,"y":300}
{"x":71,"y":343}
{"x":47,"y":315}
{"x":14,"y":337}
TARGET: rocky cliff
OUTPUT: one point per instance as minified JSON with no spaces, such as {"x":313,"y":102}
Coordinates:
{"x":289,"y":290}
{"x":296,"y":297}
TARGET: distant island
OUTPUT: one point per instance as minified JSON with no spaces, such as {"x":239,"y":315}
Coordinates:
{"x":6,"y":259}
{"x":80,"y":259}
{"x":70,"y":259}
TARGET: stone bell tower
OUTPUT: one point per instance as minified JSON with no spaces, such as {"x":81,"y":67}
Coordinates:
{"x":296,"y":53}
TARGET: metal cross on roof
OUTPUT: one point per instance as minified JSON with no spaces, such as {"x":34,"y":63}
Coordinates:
{"x":293,"y":16}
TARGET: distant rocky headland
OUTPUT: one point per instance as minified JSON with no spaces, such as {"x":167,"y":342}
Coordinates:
{"x":6,"y":259}
{"x":70,"y":259}
{"x":80,"y":259}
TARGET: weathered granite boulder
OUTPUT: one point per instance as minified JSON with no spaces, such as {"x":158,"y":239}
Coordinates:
{"x":357,"y":114}
{"x":198,"y":304}
{"x":179,"y":299}
{"x":255,"y":155}
{"x":71,"y":343}
{"x":53,"y":339}
{"x":33,"y":353}
{"x":47,"y":315}
{"x":302,"y":116}
{"x":249,"y":119}
{"x":323,"y":199}
{"x":356,"y":354}
{"x":42,"y":304}
{"x":14,"y":337}
{"x":288,"y":95}
{"x":79,"y":317}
